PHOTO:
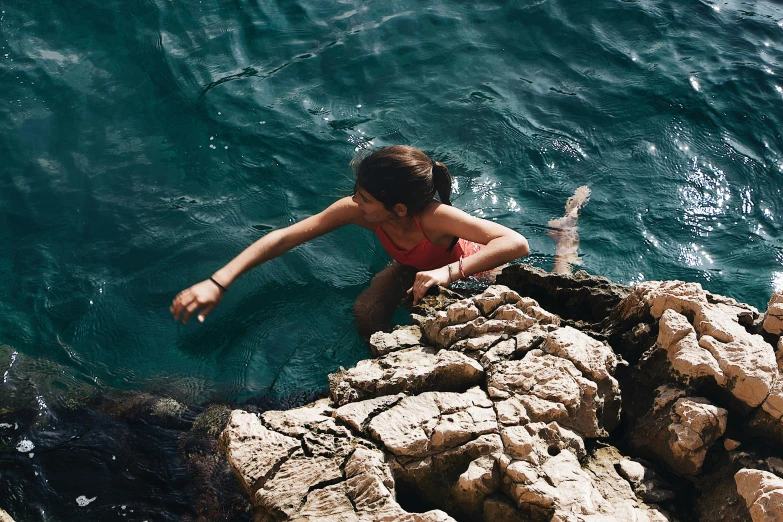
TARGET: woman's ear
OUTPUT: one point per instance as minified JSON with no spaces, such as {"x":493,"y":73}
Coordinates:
{"x":400,"y":209}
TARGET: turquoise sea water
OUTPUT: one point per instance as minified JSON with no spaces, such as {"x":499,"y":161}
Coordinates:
{"x":143,"y":144}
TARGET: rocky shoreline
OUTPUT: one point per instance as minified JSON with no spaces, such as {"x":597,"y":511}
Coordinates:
{"x":545,"y":398}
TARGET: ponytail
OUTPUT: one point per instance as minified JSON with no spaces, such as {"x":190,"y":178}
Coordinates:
{"x":442,"y":178}
{"x":403,"y":174}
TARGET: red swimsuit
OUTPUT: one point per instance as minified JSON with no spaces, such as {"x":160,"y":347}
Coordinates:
{"x":427,"y":255}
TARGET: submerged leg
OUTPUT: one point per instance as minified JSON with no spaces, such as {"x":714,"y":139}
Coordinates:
{"x":376,"y":305}
{"x":564,"y":232}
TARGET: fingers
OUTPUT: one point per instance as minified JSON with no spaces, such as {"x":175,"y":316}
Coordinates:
{"x":192,"y":307}
{"x":180,"y":303}
{"x":205,"y":312}
{"x":420,"y":288}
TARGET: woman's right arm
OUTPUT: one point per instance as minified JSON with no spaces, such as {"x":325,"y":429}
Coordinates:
{"x":206,"y":295}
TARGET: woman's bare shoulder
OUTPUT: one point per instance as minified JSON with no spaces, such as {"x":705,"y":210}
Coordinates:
{"x":346,"y":211}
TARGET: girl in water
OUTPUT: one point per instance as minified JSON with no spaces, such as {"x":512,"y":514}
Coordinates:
{"x":431,"y":242}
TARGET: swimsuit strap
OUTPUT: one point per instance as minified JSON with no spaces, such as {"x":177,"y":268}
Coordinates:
{"x":422,"y":230}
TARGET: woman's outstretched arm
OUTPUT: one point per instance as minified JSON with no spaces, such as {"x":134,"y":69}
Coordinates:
{"x":205,"y":296}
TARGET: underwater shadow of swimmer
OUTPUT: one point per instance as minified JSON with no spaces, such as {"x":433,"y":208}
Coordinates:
{"x":564,"y":232}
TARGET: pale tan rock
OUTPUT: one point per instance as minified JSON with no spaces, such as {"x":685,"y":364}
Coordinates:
{"x":254,"y":452}
{"x":763,"y":494}
{"x":481,"y":479}
{"x":502,"y":351}
{"x":531,"y":338}
{"x":478,"y":327}
{"x":329,"y":504}
{"x":731,"y":444}
{"x":382,"y":343}
{"x":620,"y":500}
{"x":748,"y":364}
{"x":550,"y":388}
{"x":773,"y":319}
{"x":444,"y":482}
{"x":576,"y":492}
{"x":286,"y":493}
{"x":773,"y":404}
{"x":357,"y":414}
{"x":5,"y":517}
{"x":509,"y":312}
{"x":691,"y":361}
{"x":594,"y":359}
{"x":543,"y":410}
{"x":745,"y":362}
{"x":665,"y":395}
{"x":672,"y":328}
{"x":676,"y":295}
{"x":520,"y":444}
{"x":779,"y":355}
{"x":632,"y":471}
{"x":687,"y":358}
{"x":433,"y":421}
{"x":511,"y":412}
{"x":695,"y":428}
{"x":412,"y":370}
{"x":298,"y":421}
{"x":370,"y":486}
{"x":522,"y":472}
{"x":433,"y":324}
{"x":369,"y":482}
{"x":543,"y":316}
{"x":495,"y":296}
{"x":478,"y":344}
{"x":435,"y":515}
{"x":462,"y":312}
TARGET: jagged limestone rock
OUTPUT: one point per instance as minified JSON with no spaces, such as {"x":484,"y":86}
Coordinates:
{"x":298,"y":421}
{"x":551,"y":389}
{"x":432,"y":422}
{"x":645,"y":482}
{"x":254,"y":452}
{"x":746,"y":363}
{"x":382,"y":343}
{"x":515,"y":452}
{"x":680,"y":431}
{"x":763,"y":494}
{"x":358,"y":414}
{"x":412,"y":370}
{"x":773,"y":319}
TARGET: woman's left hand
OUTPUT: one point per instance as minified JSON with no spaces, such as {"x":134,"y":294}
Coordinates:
{"x":426,"y":280}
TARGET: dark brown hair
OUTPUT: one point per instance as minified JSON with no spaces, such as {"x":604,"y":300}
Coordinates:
{"x":403,"y":174}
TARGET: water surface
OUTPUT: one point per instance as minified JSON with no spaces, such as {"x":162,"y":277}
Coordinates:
{"x":144,"y":144}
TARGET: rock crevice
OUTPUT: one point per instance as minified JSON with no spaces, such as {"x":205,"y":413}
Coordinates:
{"x":492,"y":407}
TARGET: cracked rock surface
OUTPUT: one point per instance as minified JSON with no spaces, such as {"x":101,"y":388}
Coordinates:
{"x":492,"y":408}
{"x":763,"y":494}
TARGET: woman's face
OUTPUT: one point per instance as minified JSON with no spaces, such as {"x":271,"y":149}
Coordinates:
{"x":373,"y":210}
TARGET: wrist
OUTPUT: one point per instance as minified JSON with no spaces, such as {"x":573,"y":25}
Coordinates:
{"x":217,"y":283}
{"x":461,"y":268}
